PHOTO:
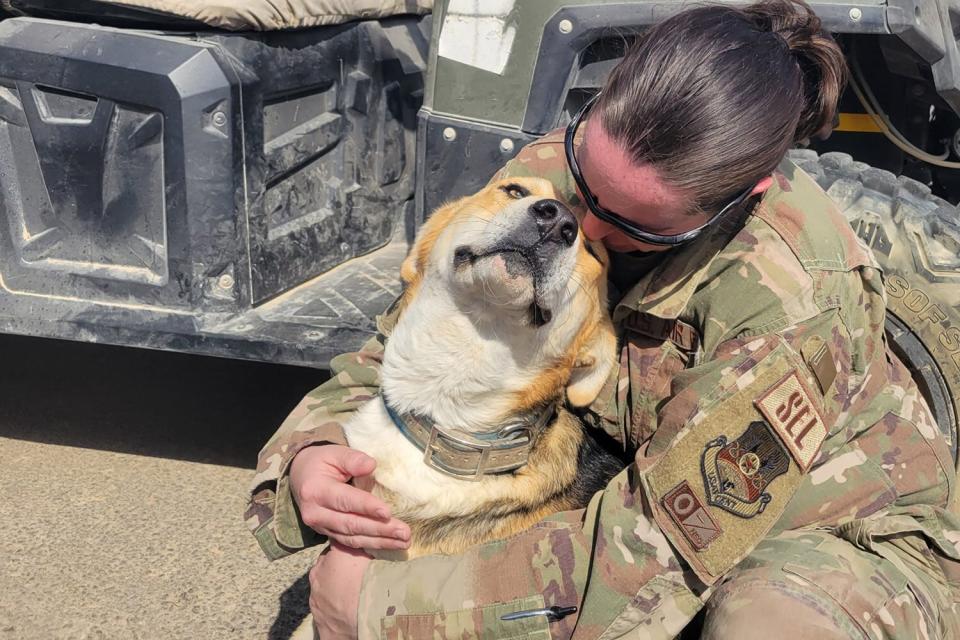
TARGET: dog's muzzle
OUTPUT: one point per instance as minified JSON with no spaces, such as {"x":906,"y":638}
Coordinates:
{"x":548,"y":227}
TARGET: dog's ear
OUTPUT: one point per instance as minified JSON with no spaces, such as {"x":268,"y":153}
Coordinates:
{"x":414,"y":265}
{"x":593,"y":366}
{"x":410,"y":268}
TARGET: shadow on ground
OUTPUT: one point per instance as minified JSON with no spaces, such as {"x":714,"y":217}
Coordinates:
{"x":293,"y":609}
{"x":152,"y":403}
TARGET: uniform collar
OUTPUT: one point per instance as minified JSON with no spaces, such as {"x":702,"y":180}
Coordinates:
{"x":666,"y":290}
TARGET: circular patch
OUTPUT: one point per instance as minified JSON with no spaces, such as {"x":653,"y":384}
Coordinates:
{"x":749,"y":464}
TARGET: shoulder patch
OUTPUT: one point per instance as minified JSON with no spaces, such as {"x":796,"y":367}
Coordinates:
{"x":736,"y":474}
{"x":790,"y":410}
{"x":688,"y":512}
{"x":725,"y":479}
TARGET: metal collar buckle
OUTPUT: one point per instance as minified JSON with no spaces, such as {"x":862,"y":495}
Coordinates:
{"x":468,"y":456}
{"x":468,"y":444}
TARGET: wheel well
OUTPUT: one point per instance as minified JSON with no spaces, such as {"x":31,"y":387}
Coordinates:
{"x":926,"y":373}
{"x":905,"y":90}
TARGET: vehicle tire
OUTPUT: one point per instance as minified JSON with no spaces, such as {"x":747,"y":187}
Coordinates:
{"x":916,"y":239}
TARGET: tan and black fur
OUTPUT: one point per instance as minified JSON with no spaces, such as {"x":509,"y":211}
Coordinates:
{"x":501,"y":316}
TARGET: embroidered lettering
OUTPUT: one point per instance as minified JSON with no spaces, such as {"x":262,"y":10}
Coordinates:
{"x":791,"y":412}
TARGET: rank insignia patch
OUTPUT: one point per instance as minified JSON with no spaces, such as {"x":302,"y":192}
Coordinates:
{"x":736,"y":474}
{"x":789,"y":409}
{"x":687,"y":511}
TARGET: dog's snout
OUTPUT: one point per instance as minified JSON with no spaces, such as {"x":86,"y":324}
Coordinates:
{"x":555,"y":221}
{"x":545,"y":210}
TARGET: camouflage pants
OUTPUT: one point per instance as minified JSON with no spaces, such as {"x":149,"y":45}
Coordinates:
{"x":822,"y":586}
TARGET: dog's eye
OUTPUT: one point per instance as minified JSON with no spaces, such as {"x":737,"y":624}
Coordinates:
{"x":515,"y":191}
{"x":593,"y":251}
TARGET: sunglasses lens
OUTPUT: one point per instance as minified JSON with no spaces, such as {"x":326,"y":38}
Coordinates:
{"x":625,"y":226}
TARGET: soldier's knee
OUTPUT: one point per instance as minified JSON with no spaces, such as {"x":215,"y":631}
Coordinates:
{"x":757,"y":609}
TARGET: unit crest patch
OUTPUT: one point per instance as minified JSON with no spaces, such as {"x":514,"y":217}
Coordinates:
{"x":736,"y":474}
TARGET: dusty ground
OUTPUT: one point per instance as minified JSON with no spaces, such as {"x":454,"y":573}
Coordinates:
{"x":123,"y":474}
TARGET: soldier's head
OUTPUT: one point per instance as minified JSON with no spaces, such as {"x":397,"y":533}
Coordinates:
{"x":696,"y":117}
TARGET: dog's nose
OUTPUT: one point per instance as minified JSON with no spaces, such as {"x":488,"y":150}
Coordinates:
{"x":555,"y":221}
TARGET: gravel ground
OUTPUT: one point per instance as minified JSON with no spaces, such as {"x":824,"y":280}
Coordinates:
{"x":124,"y":475}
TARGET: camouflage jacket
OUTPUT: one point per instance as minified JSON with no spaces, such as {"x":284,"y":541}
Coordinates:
{"x":765,"y":337}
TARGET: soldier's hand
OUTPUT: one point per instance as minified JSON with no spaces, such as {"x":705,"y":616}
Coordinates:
{"x":346,"y":514}
{"x":335,"y":583}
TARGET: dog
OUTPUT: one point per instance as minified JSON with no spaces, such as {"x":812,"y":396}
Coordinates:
{"x":503,"y":318}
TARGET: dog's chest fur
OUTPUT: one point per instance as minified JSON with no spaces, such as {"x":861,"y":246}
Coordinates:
{"x":448,"y":515}
{"x":414,"y":489}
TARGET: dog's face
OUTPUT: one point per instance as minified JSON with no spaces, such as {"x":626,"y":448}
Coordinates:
{"x":513,"y":258}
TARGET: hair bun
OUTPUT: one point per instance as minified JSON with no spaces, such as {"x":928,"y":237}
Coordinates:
{"x":821,"y":61}
{"x":791,"y":19}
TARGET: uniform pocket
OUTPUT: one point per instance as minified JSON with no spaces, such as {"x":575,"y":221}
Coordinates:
{"x":480,"y":623}
{"x":858,"y":583}
{"x":913,"y":454}
{"x":897,"y":546}
{"x":847,"y":486}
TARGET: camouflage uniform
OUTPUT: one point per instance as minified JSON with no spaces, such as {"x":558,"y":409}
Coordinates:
{"x":783,"y":458}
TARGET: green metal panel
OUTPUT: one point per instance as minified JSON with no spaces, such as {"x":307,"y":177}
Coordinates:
{"x":491,"y":95}
{"x":487,"y":51}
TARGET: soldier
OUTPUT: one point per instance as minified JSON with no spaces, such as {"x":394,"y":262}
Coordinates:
{"x":785,"y":472}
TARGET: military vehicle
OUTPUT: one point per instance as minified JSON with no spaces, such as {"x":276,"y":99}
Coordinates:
{"x":238,"y":182}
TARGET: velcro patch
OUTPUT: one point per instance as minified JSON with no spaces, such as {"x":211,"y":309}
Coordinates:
{"x":819,"y":358}
{"x":687,"y":511}
{"x":736,"y":472}
{"x":725,"y":476}
{"x":790,"y":410}
{"x":676,"y":331}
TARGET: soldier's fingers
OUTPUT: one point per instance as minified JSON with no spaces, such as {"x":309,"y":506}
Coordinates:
{"x":369,"y":542}
{"x":351,"y":524}
{"x":349,"y":499}
{"x":353,"y":462}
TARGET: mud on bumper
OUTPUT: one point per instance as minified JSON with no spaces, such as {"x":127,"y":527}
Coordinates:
{"x":244,"y":195}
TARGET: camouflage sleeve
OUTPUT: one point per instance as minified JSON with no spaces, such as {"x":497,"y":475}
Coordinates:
{"x":542,"y":158}
{"x":271,"y":512}
{"x":728,"y":454}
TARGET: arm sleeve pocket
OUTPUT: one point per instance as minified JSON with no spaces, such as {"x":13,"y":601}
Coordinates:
{"x":737,"y":459}
{"x":480,"y":623}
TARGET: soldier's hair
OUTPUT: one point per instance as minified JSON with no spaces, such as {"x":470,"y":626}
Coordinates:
{"x":715,"y":96}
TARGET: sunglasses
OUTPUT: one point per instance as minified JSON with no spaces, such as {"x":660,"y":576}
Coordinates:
{"x":629,"y":228}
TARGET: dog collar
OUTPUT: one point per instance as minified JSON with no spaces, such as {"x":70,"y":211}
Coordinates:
{"x":468,"y":456}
